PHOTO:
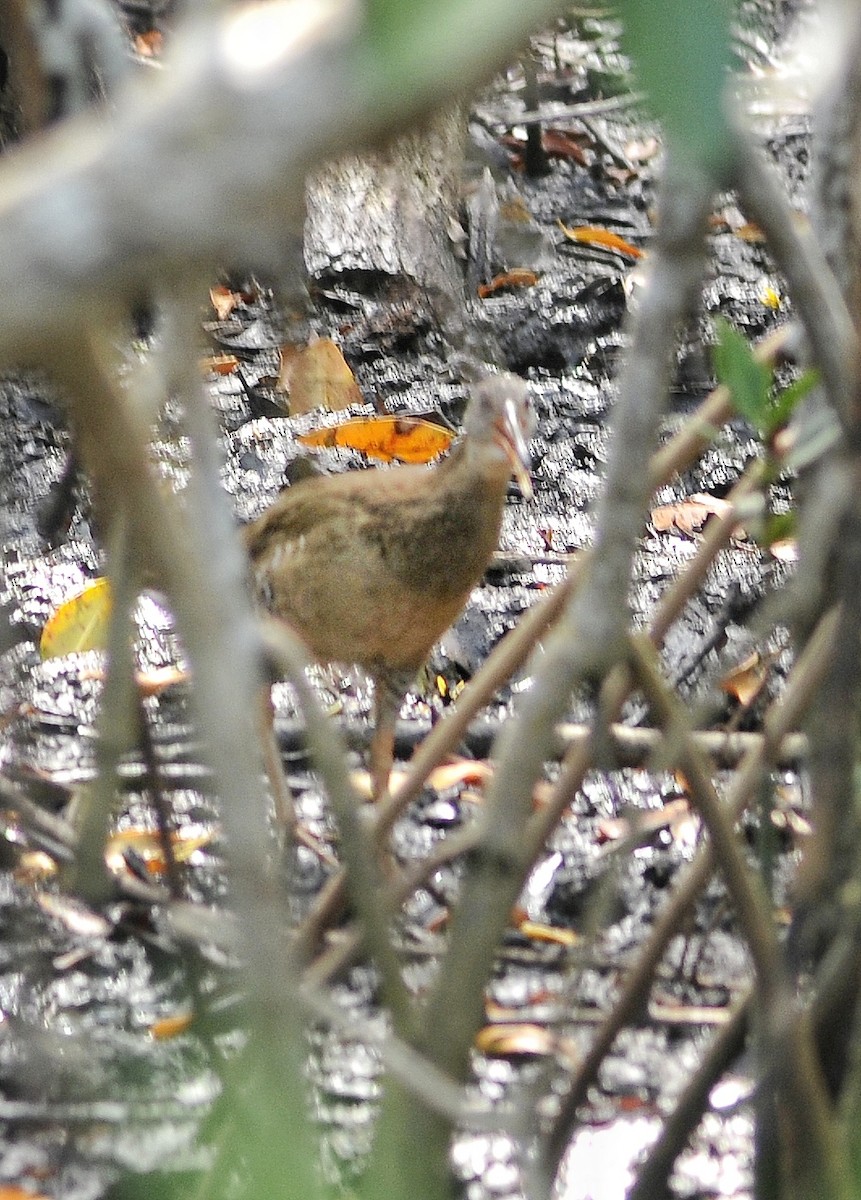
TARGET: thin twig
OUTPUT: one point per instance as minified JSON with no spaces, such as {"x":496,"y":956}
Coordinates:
{"x":783,"y":716}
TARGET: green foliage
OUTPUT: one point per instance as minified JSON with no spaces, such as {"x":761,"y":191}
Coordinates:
{"x":682,"y":50}
{"x":752,"y":383}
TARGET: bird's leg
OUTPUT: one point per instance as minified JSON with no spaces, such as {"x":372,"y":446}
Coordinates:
{"x":390,"y":688}
{"x":285,"y":813}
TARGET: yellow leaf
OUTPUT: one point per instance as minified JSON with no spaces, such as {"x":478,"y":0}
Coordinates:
{"x":80,"y":623}
{"x":409,"y":439}
{"x":539,"y":932}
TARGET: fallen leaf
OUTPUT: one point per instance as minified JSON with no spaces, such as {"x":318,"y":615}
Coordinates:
{"x":784,"y":549}
{"x":288,"y":356}
{"x":641,"y":150}
{"x":74,"y":914}
{"x":689,"y":515}
{"x":146,"y":844}
{"x":770,"y":298}
{"x":509,"y":1041}
{"x":593,"y":235}
{"x":219,"y":364}
{"x":750,"y":233}
{"x":560,"y":143}
{"x":170,"y":1027}
{"x":321,"y":378}
{"x":149,"y":44}
{"x":642,"y":824}
{"x":34,"y":866}
{"x":519,"y":277}
{"x":158,"y":679}
{"x":409,"y":439}
{"x":151,"y":682}
{"x":746,"y":681}
{"x":536,"y":931}
{"x":224,"y":301}
{"x":465,"y":770}
{"x":80,"y":623}
{"x":515,"y":209}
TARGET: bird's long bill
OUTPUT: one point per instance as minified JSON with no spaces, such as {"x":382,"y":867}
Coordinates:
{"x":514,"y":443}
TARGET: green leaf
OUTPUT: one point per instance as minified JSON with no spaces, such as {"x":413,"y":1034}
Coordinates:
{"x":749,"y":381}
{"x":785,"y":402}
{"x":682,"y":50}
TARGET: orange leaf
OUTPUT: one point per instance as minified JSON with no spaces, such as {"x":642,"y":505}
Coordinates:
{"x":149,"y":44}
{"x":321,"y":378}
{"x":519,"y":277}
{"x":464,"y":770}
{"x":219,"y":364}
{"x":539,"y":932}
{"x":223,"y":301}
{"x":409,"y":439}
{"x":169,"y":1027}
{"x":746,"y":681}
{"x":592,"y":235}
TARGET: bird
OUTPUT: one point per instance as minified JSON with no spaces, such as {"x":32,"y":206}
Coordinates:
{"x":372,"y":567}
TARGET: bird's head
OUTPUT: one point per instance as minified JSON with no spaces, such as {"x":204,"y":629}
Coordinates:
{"x":500,"y":412}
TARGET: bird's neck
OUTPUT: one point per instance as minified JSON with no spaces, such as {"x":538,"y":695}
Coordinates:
{"x":458,"y":524}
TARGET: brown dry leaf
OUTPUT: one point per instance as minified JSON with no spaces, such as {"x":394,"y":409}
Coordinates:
{"x":510,"y":1041}
{"x":409,"y":439}
{"x":219,"y":364}
{"x":147,"y":846}
{"x":80,"y":623}
{"x":170,"y":1027}
{"x":515,"y":209}
{"x":689,"y":515}
{"x":321,"y":378}
{"x":746,"y":681}
{"x":560,"y":143}
{"x":288,"y":356}
{"x":518,"y":277}
{"x":149,"y":44}
{"x":224,"y":301}
{"x":593,"y":235}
